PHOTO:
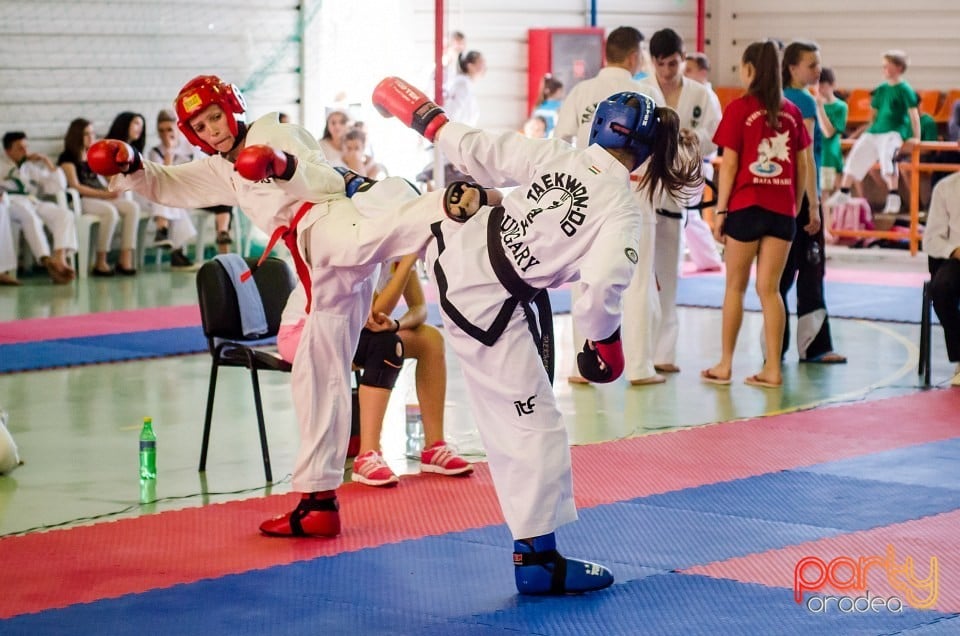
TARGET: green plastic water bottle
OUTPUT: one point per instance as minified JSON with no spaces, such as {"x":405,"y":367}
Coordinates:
{"x":148,"y":450}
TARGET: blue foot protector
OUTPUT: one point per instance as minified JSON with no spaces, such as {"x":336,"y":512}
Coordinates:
{"x":539,"y":569}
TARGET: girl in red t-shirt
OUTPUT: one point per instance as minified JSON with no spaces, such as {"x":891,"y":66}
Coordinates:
{"x":765,"y":154}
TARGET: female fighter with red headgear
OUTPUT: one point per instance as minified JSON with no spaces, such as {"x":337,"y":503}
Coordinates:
{"x":277,"y":174}
{"x":573,"y":219}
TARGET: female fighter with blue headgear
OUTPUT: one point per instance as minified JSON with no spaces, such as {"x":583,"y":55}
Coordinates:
{"x":573,"y":219}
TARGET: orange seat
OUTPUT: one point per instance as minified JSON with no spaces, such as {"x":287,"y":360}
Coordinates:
{"x":943,"y":114}
{"x":858,"y":107}
{"x":929,"y":101}
{"x":727,"y":94}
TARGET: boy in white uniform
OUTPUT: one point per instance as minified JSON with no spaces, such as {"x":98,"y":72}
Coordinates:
{"x":698,"y":114}
{"x":277,"y":174}
{"x":573,"y":219}
{"x":26,"y":175}
{"x":574,"y":121}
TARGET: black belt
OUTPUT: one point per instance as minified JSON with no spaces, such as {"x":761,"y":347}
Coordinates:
{"x":670,"y":214}
{"x":540,"y":322}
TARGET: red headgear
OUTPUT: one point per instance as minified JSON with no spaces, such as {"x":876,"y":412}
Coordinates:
{"x":199,"y":93}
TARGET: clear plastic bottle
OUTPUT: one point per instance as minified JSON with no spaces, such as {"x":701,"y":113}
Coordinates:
{"x":414,"y":431}
{"x":148,"y":450}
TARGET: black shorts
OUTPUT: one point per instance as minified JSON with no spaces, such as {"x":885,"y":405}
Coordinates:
{"x":752,"y":224}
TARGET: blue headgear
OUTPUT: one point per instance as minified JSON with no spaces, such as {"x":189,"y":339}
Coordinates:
{"x":352,"y":182}
{"x":619,"y":124}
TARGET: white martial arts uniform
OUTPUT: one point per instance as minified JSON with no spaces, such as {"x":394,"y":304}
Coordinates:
{"x":25,"y":183}
{"x":572,"y":219}
{"x":696,"y":113}
{"x":342,"y":249}
{"x":8,"y":257}
{"x":640,"y":302}
{"x":460,"y":101}
{"x":697,"y":234}
{"x":182,"y":230}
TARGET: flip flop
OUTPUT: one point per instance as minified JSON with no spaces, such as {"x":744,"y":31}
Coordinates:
{"x":829,"y":357}
{"x":666,"y":368}
{"x":754,"y":380}
{"x":707,"y":376}
{"x":656,"y":378}
{"x":576,"y":379}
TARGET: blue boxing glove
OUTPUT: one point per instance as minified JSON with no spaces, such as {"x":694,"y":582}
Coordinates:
{"x":353,"y":182}
{"x":602,"y":361}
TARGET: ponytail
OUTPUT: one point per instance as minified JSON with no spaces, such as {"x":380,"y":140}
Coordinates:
{"x":675,"y":164}
{"x":766,"y":85}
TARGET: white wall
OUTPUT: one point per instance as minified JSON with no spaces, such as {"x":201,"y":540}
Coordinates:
{"x":61,"y":59}
{"x":852,"y":34}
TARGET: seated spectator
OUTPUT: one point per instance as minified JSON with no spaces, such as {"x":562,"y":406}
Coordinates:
{"x":355,"y":155}
{"x":131,"y":128}
{"x":224,"y":218}
{"x":8,"y":257}
{"x":548,"y":105}
{"x":334,"y":135}
{"x":953,"y":126}
{"x":28,"y":176}
{"x":97,"y":200}
{"x":174,"y":227}
{"x":941,"y":242}
{"x":896,"y":122}
{"x":380,"y":354}
{"x":535,"y":127}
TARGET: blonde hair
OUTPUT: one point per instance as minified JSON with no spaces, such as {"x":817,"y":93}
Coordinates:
{"x":898,"y":57}
{"x":165,"y":116}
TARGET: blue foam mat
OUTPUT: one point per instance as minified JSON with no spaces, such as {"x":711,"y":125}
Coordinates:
{"x":462,"y":583}
{"x":932,"y":465}
{"x":440,"y":585}
{"x":106,"y":348}
{"x":890,"y":303}
{"x":844,"y":300}
{"x":808,"y":498}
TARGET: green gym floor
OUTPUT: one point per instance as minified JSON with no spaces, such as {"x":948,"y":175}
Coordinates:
{"x":77,"y":428}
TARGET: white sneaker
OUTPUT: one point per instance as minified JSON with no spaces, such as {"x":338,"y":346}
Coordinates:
{"x":893,"y":203}
{"x":838,"y":198}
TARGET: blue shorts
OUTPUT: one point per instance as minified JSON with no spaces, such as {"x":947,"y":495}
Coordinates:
{"x":752,"y":224}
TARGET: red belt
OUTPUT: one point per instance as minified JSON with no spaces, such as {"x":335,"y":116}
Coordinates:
{"x":289,"y":235}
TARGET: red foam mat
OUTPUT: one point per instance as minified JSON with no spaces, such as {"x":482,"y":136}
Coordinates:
{"x":63,"y":567}
{"x":920,"y":539}
{"x":98,"y":324}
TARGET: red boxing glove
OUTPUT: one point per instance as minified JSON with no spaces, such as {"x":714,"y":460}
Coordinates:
{"x":258,"y":163}
{"x":604,"y":362}
{"x":110,"y":156}
{"x":394,"y":97}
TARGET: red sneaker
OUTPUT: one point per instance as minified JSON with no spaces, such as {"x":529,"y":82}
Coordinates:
{"x":317,"y":515}
{"x":371,"y":469}
{"x":441,"y":459}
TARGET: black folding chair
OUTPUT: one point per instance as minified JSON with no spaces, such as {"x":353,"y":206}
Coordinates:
{"x":220,"y":316}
